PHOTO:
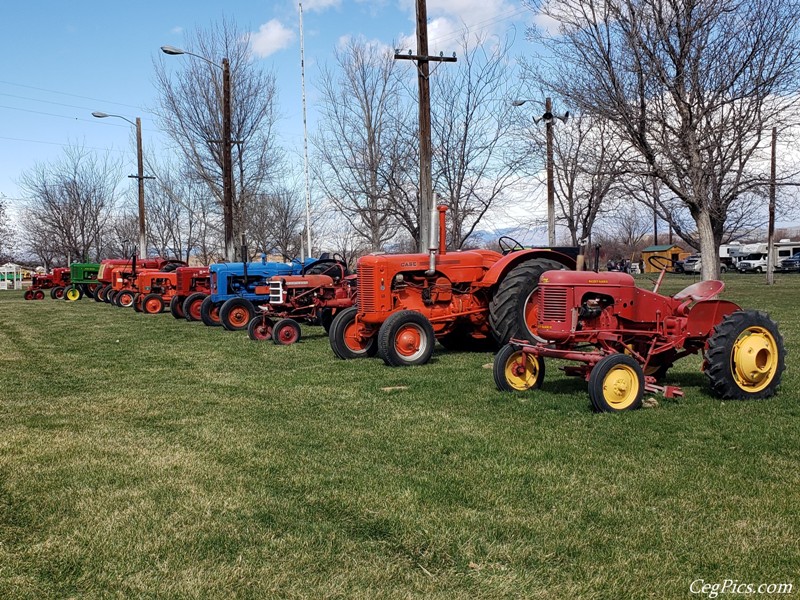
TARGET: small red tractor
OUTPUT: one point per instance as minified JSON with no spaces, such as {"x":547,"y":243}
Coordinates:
{"x":312,"y":298}
{"x":56,"y":282}
{"x":625,"y":338}
{"x":114,"y":274}
{"x":465,"y":300}
{"x":192,"y":285}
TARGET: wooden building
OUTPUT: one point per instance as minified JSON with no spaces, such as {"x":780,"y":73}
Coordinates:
{"x":669,"y":251}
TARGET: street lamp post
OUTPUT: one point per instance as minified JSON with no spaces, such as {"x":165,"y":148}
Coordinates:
{"x":140,"y":177}
{"x":547,"y":117}
{"x":227,"y":143}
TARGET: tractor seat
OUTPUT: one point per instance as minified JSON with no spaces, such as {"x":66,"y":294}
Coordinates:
{"x":702,"y":290}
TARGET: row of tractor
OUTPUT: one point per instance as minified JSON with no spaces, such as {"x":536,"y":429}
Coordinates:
{"x":528,"y":304}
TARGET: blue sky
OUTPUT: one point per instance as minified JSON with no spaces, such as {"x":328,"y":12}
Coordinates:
{"x":63,"y":60}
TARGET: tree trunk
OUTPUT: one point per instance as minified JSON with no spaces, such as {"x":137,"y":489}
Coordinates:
{"x":709,"y":247}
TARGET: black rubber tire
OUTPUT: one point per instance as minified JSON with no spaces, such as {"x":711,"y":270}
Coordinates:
{"x":326,"y":318}
{"x":73,"y":287}
{"x":152,"y":298}
{"x":506,"y":310}
{"x":110,"y":296}
{"x":242,"y":306}
{"x":327,"y":266}
{"x":286,"y":332}
{"x":460,"y":340}
{"x":125,"y":298}
{"x":137,"y":303}
{"x":597,"y":381}
{"x":336,"y":337}
{"x":207,"y":310}
{"x":501,"y":359}
{"x":176,"y":307}
{"x":87,"y":290}
{"x":387,"y":339}
{"x":187,"y":304}
{"x":99,"y":295}
{"x":28,"y":295}
{"x":55,"y":291}
{"x":259,"y":329}
{"x":38,"y":295}
{"x":719,"y":364}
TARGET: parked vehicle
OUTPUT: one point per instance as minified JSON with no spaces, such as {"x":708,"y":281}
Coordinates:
{"x":791,"y":264}
{"x":696,"y":266}
{"x":755,"y":263}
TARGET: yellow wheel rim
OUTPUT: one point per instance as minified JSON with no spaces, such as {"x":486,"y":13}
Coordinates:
{"x":521,"y":371}
{"x":72,"y":294}
{"x":754,"y":359}
{"x":620,"y":387}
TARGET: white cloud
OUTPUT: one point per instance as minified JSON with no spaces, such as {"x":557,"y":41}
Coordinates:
{"x":176,"y":30}
{"x":271,"y":37}
{"x":320,"y":5}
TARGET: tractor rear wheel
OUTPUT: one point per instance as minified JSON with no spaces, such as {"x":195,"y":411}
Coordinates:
{"x":73,"y":293}
{"x":137,"y":303}
{"x":89,"y":289}
{"x":236,"y":313}
{"x":405,"y":339}
{"x":260,"y":328}
{"x":54,"y":292}
{"x":124,"y":299}
{"x":99,"y":295}
{"x":326,"y":318}
{"x":745,"y":356}
{"x":191,"y":306}
{"x":176,"y":307}
{"x":346,"y":338}
{"x":110,"y":296}
{"x":515,"y":371}
{"x":152,"y":304}
{"x":209,"y":312}
{"x":616,"y":383}
{"x":28,"y":295}
{"x":286,"y":332}
{"x":513,"y":311}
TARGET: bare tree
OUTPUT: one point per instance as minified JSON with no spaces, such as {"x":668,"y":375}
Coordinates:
{"x":623,"y":231}
{"x":357,"y":137}
{"x":691,"y":85}
{"x":190,"y":112}
{"x":71,"y":202}
{"x":6,"y":233}
{"x":474,"y":162}
{"x":277,"y":222}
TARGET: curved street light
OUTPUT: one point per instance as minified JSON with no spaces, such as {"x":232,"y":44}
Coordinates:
{"x":227,"y":161}
{"x":140,"y":176}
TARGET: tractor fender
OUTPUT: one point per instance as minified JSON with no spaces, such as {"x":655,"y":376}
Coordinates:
{"x":704,"y":316}
{"x":499,"y":269}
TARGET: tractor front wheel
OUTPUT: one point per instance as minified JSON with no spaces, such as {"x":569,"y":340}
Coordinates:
{"x":286,"y":332}
{"x":347,"y":337}
{"x":137,"y":303}
{"x":514,"y":309}
{"x":57,"y":293}
{"x":124,"y":299}
{"x":616,"y":383}
{"x":405,"y":339}
{"x":100,"y":294}
{"x":260,"y":328}
{"x":152,"y":304}
{"x":38,"y":295}
{"x":28,"y":295}
{"x":110,"y":296}
{"x":176,"y":307}
{"x":516,"y":371}
{"x":209,"y":312}
{"x":236,"y":313}
{"x":326,"y":318}
{"x":191,"y":306}
{"x":745,"y":356}
{"x":73,"y":293}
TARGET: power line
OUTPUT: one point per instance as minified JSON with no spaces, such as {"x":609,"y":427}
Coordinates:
{"x":39,"y":112}
{"x":13,"y":139}
{"x":481,"y":25}
{"x":31,"y":87}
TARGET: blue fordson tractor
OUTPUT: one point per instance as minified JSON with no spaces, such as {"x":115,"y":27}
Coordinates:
{"x":233,"y":300}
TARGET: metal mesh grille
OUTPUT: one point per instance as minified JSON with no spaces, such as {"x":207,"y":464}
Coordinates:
{"x":554,"y":304}
{"x":366,"y":288}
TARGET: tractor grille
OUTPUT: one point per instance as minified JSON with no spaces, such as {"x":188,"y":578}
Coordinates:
{"x":275,"y":292}
{"x":366,"y":288}
{"x":554,"y":304}
{"x":178,"y":279}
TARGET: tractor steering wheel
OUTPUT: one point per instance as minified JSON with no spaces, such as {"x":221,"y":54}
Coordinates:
{"x":508,"y":244}
{"x":662,"y":263}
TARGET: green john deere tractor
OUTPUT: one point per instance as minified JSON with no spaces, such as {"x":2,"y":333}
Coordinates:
{"x":83,"y":277}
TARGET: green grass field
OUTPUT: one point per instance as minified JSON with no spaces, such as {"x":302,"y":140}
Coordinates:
{"x":142,"y":456}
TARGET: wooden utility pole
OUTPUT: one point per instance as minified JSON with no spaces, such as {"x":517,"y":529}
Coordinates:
{"x":771,"y":227}
{"x":422,"y":61}
{"x":227,"y":162}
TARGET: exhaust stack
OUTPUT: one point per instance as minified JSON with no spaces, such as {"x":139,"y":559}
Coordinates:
{"x":437,"y":240}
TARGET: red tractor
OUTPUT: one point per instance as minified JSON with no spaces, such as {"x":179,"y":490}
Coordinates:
{"x":110,"y":283}
{"x":192,"y":285}
{"x":312,"y":298}
{"x":625,"y":338}
{"x":465,"y":299}
{"x":56,"y":282}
